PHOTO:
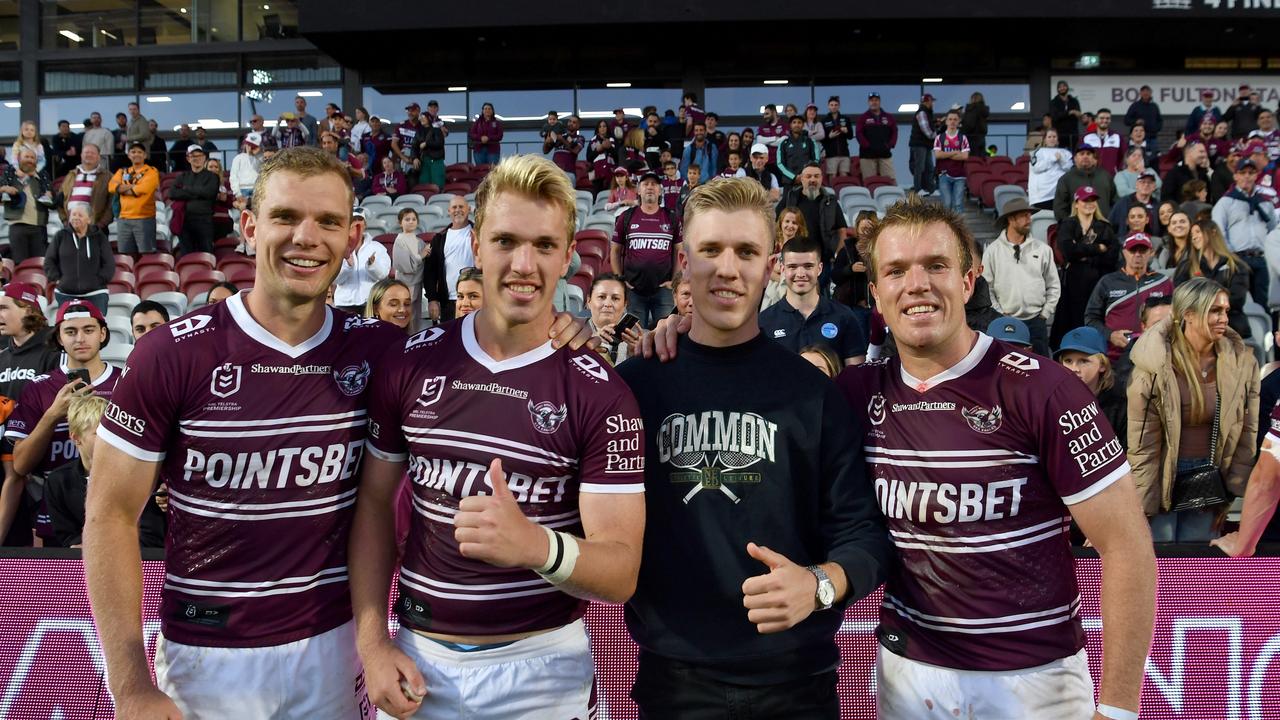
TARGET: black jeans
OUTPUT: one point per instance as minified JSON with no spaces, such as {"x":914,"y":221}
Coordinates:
{"x":197,"y":234}
{"x":672,"y":690}
{"x":1039,"y":335}
{"x":27,"y":241}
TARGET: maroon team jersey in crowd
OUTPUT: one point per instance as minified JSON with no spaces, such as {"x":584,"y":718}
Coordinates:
{"x":648,"y":246}
{"x":35,"y":400}
{"x":1273,"y":432}
{"x":671,"y":188}
{"x":260,"y":443}
{"x":974,"y":470}
{"x":561,"y":421}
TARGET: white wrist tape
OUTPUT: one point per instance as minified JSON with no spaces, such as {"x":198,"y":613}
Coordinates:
{"x":1115,"y":713}
{"x":562,"y":556}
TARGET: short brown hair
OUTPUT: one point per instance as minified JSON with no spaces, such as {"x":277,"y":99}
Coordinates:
{"x":916,"y":213}
{"x":729,"y":195}
{"x":305,"y":161}
{"x":532,"y":176}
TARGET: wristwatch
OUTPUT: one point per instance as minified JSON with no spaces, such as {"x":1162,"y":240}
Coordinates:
{"x":826,"y":595}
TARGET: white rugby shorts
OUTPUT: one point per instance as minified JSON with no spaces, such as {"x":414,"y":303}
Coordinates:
{"x":544,"y":677}
{"x":910,"y":690}
{"x":319,"y":678}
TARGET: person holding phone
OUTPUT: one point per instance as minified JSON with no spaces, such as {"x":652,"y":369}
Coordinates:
{"x":617,"y":328}
{"x":37,"y":429}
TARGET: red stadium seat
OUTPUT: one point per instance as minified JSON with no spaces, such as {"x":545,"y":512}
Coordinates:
{"x":147,"y":272}
{"x":875,"y":181}
{"x":592,"y":243}
{"x":161,"y":260}
{"x":425,"y":189}
{"x":235,"y":260}
{"x":974,"y":180}
{"x":586,"y":271}
{"x":989,"y":191}
{"x":124,"y":262}
{"x":123,"y":282}
{"x":160,"y":282}
{"x":456,"y":167}
{"x":1052,"y":239}
{"x":581,"y":282}
{"x":240,"y":275}
{"x":31,"y":263}
{"x":196,"y":258}
{"x":199,"y":280}
{"x":457,"y":188}
{"x":33,"y":277}
{"x":999,"y":162}
{"x":388,"y":241}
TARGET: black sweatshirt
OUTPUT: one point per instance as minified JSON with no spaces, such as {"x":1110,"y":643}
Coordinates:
{"x":198,"y":189}
{"x":748,"y":443}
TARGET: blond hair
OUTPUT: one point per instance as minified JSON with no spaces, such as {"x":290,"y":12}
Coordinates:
{"x":1194,"y":296}
{"x":532,"y":176}
{"x":83,"y":414}
{"x":916,"y":213}
{"x":378,"y":292}
{"x":729,"y":195}
{"x":305,"y":161}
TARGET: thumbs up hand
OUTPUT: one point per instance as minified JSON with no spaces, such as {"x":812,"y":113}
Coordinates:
{"x":781,"y":598}
{"x":493,"y":529}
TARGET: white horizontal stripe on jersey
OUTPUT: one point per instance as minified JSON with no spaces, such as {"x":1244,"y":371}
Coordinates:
{"x":904,"y":452}
{"x":611,"y":489}
{"x":989,"y":626}
{"x":494,"y":450}
{"x":242,"y":433}
{"x":958,"y":550}
{"x":181,"y":585}
{"x":273,"y":421}
{"x":247,"y":506}
{"x":1106,"y":482}
{"x":194,"y":510}
{"x":538,"y":582}
{"x":256,"y":584}
{"x":125,"y":446}
{"x":432,"y":512}
{"x":443,"y":432}
{"x":980,"y":538}
{"x":426,"y":590}
{"x":877,"y":460}
{"x":386,"y":456}
{"x":15,"y":434}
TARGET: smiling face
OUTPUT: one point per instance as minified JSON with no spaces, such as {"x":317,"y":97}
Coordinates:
{"x":522,"y":251}
{"x":921,"y":287}
{"x":395,"y":306}
{"x":301,"y":230}
{"x":470,"y":296}
{"x":800,"y":272}
{"x":727,"y":264}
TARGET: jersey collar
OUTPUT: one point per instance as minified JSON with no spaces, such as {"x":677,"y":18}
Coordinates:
{"x":478,"y":354}
{"x":106,"y":373}
{"x":967,"y":363}
{"x":240,"y":315}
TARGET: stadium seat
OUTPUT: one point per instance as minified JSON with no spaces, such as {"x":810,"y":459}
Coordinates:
{"x":409,"y":199}
{"x":582,"y":282}
{"x":876,"y":181}
{"x":1040,"y":224}
{"x":388,"y":240}
{"x":576,"y":299}
{"x":159,"y":259}
{"x":226,"y":263}
{"x":240,"y":275}
{"x":198,"y":281}
{"x":31,"y":263}
{"x":157,"y":282}
{"x":33,"y":277}
{"x":889,"y":191}
{"x":124,"y":262}
{"x":988,"y":196}
{"x":1004,"y":193}
{"x":974,"y":180}
{"x":117,"y":353}
{"x":590,"y":243}
{"x":457,"y":188}
{"x":373,"y":201}
{"x":209,"y":260}
{"x":122,"y":301}
{"x":122,"y":282}
{"x":426,"y":190}
{"x":999,"y":163}
{"x":121,"y":329}
{"x":852,"y":190}
{"x":855,"y":204}
{"x":175,"y":302}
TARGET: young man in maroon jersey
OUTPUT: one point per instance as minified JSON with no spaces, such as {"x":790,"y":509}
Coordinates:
{"x":982,"y":454}
{"x":527,"y":473}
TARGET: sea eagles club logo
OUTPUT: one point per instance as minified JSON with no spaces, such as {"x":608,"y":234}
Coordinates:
{"x":875,"y":409}
{"x":352,"y":379}
{"x":547,"y":417}
{"x":226,"y":380}
{"x":983,"y":420}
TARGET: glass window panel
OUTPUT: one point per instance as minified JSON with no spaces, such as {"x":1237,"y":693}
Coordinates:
{"x":390,"y":105}
{"x":188,"y":73}
{"x":270,"y":19}
{"x":596,"y":103}
{"x":291,"y":70}
{"x":80,"y":77}
{"x":9,"y":79}
{"x":1009,"y":138}
{"x":10,"y":116}
{"x":176,"y":22}
{"x":88,"y":23}
{"x":212,"y":110}
{"x":1002,"y":99}
{"x":523,"y":105}
{"x":749,"y":100}
{"x":853,"y":98}
{"x":270,"y":104}
{"x":9,"y":25}
{"x":77,"y":109}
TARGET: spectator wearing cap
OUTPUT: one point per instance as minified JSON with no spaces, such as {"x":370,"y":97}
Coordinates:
{"x":360,"y":270}
{"x":1143,"y":196}
{"x":406,"y":139}
{"x":1083,"y":351}
{"x":950,"y":150}
{"x":1267,"y":184}
{"x":202,"y":139}
{"x":80,"y":260}
{"x":1111,"y":145}
{"x":136,"y":188}
{"x":1022,"y":275}
{"x":813,"y":125}
{"x":198,"y":189}
{"x":306,"y":120}
{"x":25,"y":352}
{"x":1007,"y":328}
{"x":924,"y":129}
{"x":1245,"y":217}
{"x":1117,"y":298}
{"x":772,"y":130}
{"x":1193,"y":166}
{"x":431,"y":146}
{"x":762,"y":171}
{"x":644,"y":252}
{"x":1135,"y":164}
{"x":1064,"y":109}
{"x":836,"y":130}
{"x":700,"y":151}
{"x":377,"y":144}
{"x":486,"y":137}
{"x":27,"y":195}
{"x":877,"y":134}
{"x":289,"y":132}
{"x":1206,"y":107}
{"x":1086,"y":173}
{"x":796,"y":150}
{"x":1242,"y":115}
{"x":246,"y":165}
{"x":1090,"y":249}
{"x":804,"y":317}
{"x":86,"y":183}
{"x":1144,"y":111}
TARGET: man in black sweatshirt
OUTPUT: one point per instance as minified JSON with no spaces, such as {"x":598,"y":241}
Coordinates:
{"x":761,"y":525}
{"x":199,"y":188}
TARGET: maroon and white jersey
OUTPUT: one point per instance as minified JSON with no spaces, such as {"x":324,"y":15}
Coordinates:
{"x":561,"y":421}
{"x":260,"y":443}
{"x":1273,"y":432}
{"x":36,"y":399}
{"x":671,"y":188}
{"x":974,"y":469}
{"x":649,"y":243}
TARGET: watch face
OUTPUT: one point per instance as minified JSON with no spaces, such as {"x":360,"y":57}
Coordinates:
{"x":826,"y":593}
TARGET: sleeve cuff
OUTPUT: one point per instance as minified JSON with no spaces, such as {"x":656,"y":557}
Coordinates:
{"x":386,"y":456}
{"x":129,"y":448}
{"x":605,"y":489}
{"x":862,"y":571}
{"x":1098,"y":486}
{"x":14,"y":435}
